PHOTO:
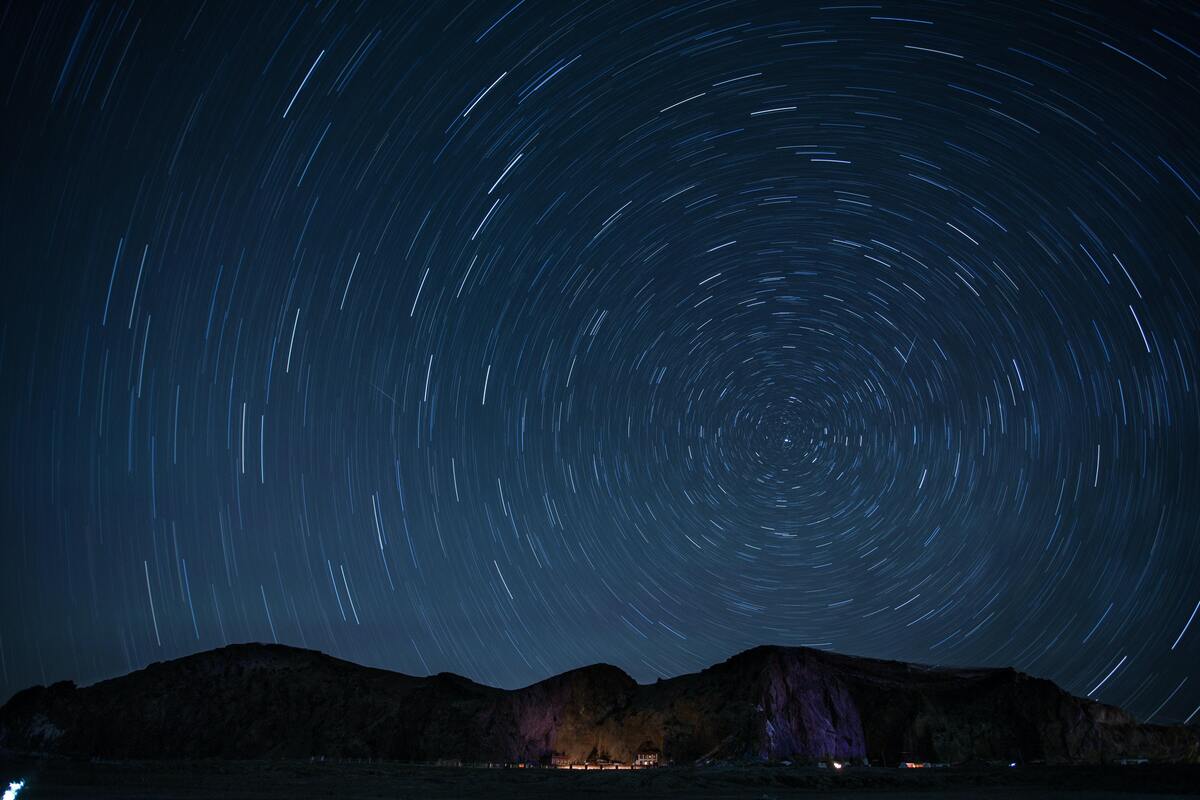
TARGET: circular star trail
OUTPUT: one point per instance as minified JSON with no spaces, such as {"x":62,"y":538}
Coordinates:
{"x":505,"y":338}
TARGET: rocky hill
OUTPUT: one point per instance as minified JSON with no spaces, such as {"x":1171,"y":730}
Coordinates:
{"x":769,"y":703}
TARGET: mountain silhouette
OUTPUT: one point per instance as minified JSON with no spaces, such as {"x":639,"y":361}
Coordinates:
{"x":766,"y":704}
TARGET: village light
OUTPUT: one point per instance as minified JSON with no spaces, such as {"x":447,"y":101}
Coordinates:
{"x":837,"y":765}
{"x":13,"y":788}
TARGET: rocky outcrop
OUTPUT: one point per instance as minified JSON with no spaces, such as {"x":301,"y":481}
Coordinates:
{"x":769,"y":703}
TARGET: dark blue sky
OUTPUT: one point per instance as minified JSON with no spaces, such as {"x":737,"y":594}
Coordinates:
{"x":502,"y":339}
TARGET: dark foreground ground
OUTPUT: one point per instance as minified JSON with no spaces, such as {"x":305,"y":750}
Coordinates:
{"x":271,"y":780}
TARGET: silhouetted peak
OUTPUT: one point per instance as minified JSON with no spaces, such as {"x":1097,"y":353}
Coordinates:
{"x":593,"y":676}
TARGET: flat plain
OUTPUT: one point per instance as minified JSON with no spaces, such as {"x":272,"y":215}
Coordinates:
{"x":268,"y":780}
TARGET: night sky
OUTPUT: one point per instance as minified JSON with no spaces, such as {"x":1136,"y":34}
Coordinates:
{"x":505,"y":338}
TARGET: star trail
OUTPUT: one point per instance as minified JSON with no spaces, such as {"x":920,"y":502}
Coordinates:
{"x":503,"y":338}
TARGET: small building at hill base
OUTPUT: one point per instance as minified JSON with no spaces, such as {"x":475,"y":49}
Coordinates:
{"x":647,"y":756}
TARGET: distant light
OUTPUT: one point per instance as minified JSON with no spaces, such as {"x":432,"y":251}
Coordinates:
{"x":1013,"y":764}
{"x":11,"y":792}
{"x":837,"y":765}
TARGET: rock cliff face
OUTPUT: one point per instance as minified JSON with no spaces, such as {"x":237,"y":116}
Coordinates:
{"x":769,"y":703}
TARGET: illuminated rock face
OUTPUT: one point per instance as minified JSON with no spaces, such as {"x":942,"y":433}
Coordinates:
{"x":808,"y":712}
{"x":769,"y":703}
